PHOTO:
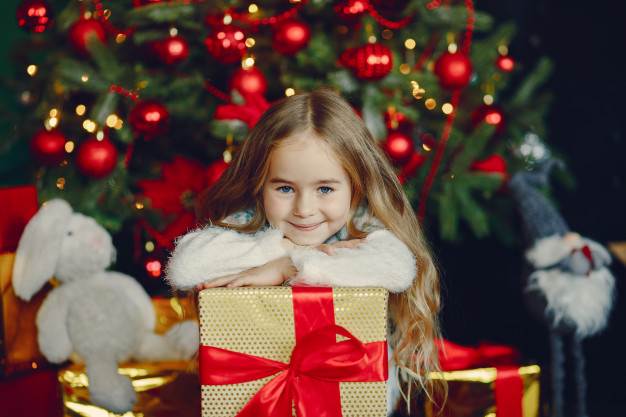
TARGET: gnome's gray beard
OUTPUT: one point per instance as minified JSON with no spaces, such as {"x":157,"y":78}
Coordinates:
{"x":581,"y":300}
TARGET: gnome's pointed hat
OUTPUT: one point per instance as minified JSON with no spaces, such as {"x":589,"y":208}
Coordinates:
{"x":539,"y":216}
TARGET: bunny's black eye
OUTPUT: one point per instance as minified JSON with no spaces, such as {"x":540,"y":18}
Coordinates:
{"x":70,"y":233}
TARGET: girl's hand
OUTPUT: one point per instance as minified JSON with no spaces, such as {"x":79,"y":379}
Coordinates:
{"x":272,"y":273}
{"x":329,"y":248}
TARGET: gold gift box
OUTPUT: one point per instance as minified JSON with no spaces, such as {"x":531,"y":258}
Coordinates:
{"x":471,"y":394}
{"x":19,"y":349}
{"x":164,"y":389}
{"x":259,"y":321}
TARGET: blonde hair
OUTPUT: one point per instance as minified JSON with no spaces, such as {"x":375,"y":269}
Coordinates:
{"x":375,"y":185}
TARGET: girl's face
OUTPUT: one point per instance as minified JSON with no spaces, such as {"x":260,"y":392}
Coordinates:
{"x":307,"y":193}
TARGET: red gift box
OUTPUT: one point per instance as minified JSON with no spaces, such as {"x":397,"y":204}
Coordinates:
{"x":19,"y":205}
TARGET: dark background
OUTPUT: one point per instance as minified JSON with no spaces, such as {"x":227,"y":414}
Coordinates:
{"x":482,"y":294}
{"x":482,"y":279}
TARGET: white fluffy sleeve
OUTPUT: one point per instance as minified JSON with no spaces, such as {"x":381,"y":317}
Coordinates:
{"x":382,"y":261}
{"x":212,"y":252}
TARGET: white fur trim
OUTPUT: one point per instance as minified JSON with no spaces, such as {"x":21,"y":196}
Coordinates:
{"x":213,"y":252}
{"x":548,"y":251}
{"x":382,"y":261}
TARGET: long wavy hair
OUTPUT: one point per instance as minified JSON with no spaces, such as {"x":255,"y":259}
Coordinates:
{"x":330,"y":118}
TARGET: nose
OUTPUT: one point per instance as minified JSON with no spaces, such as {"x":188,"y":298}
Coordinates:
{"x":305,"y":205}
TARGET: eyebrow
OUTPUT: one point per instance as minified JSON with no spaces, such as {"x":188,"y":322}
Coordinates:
{"x":322,"y":181}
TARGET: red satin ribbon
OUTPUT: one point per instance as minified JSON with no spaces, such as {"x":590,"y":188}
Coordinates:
{"x":508,"y":386}
{"x":318,"y":362}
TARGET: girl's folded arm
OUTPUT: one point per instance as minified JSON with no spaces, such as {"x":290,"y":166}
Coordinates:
{"x":212,"y":252}
{"x":382,"y":261}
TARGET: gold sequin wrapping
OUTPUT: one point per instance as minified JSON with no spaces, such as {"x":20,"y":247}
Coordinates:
{"x":19,"y":350}
{"x":471,"y":394}
{"x":259,"y":321}
{"x":164,"y":389}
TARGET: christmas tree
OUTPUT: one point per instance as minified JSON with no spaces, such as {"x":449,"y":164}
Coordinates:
{"x":130,"y":109}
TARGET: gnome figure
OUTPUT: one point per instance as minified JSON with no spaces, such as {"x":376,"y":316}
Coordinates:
{"x":568,"y":286}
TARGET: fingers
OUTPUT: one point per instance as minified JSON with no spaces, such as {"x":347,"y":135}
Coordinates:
{"x":349,"y":244}
{"x":327,"y":249}
{"x":217,"y":282}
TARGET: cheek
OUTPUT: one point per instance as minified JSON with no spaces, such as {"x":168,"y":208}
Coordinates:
{"x":274,"y":208}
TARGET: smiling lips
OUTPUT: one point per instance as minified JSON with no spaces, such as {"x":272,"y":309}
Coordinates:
{"x":305,"y":227}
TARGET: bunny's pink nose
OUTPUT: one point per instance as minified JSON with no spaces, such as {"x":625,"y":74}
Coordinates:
{"x":97,"y":241}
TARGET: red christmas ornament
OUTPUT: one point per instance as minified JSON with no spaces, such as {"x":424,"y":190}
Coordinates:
{"x":215,"y":171}
{"x":153,"y":266}
{"x":369,"y":62}
{"x":394,"y":120}
{"x":48,"y":147}
{"x":410,"y":168}
{"x":399,"y":146}
{"x":350,"y":11}
{"x":248,"y":81}
{"x":227,"y":44}
{"x":150,"y":118}
{"x":290,"y":36}
{"x":140,"y":3}
{"x":96,"y":158}
{"x":505,"y":63}
{"x":494,"y":164}
{"x":389,"y":8}
{"x":493,"y":115}
{"x":84,"y":31}
{"x":453,"y":69}
{"x":172,"y":50}
{"x":35,"y":16}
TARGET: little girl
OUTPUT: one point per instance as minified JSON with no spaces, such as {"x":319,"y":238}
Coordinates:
{"x":311,"y":199}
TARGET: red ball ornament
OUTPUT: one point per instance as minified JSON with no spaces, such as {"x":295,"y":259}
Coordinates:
{"x":84,"y":31}
{"x":369,"y":62}
{"x":227,"y":44}
{"x":172,"y":50}
{"x":290,"y":36}
{"x":150,"y":118}
{"x":399,"y":146}
{"x":35,"y":16}
{"x":48,"y":147}
{"x":96,"y":158}
{"x":453,"y":69}
{"x":505,"y":63}
{"x":493,"y":115}
{"x":390,"y":8}
{"x":350,"y":11}
{"x":410,"y":168}
{"x":140,"y":3}
{"x":494,"y":164}
{"x":215,"y":171}
{"x":249,"y":81}
{"x":153,"y":266}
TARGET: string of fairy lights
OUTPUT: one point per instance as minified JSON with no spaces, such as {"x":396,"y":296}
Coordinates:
{"x":372,"y":61}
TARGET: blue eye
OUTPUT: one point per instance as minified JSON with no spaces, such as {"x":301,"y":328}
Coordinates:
{"x":285,"y":189}
{"x":325,"y":190}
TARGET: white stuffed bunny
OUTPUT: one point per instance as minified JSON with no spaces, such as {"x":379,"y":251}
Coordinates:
{"x":103,"y":317}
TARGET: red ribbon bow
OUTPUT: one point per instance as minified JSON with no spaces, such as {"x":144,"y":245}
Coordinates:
{"x":318,"y":363}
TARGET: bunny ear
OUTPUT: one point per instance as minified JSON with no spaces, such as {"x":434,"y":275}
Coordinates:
{"x":39,"y":248}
